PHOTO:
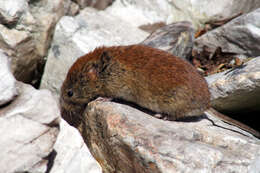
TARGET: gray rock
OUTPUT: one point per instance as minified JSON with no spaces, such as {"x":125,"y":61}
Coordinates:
{"x":11,"y":11}
{"x":237,"y":89}
{"x":29,"y":128}
{"x":176,"y":38}
{"x":7,"y":81}
{"x":98,"y":4}
{"x":30,"y":124}
{"x":76,"y":36}
{"x":72,"y":153}
{"x":127,"y":140}
{"x":240,"y":36}
{"x":25,"y":33}
{"x":201,"y":11}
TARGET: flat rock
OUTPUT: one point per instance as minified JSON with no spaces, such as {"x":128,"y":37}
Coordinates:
{"x":7,"y":81}
{"x":125,"y":139}
{"x":29,"y":128}
{"x":201,"y":11}
{"x":239,"y":36}
{"x":238,"y":89}
{"x":176,"y":38}
{"x":76,"y":36}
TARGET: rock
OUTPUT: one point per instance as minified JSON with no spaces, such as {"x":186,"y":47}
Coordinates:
{"x":24,"y":62}
{"x":139,"y":13}
{"x":98,"y":4}
{"x":176,"y":38}
{"x":125,"y":139}
{"x":30,"y":124}
{"x":76,"y":36}
{"x":29,"y":128}
{"x":11,"y":11}
{"x":201,"y":11}
{"x":7,"y":81}
{"x":240,"y":36}
{"x":236,"y":90}
{"x":72,"y":153}
{"x":25,"y":33}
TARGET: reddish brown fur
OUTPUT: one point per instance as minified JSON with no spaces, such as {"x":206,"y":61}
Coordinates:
{"x":149,"y":77}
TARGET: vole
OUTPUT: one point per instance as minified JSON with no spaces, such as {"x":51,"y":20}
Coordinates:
{"x":149,"y":77}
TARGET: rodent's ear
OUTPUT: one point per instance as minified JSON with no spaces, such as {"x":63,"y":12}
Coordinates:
{"x":97,"y":68}
{"x":92,"y":73}
{"x":104,"y":61}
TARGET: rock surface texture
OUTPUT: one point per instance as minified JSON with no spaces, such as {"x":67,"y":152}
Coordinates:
{"x":7,"y":81}
{"x":98,"y":4}
{"x":201,"y":11}
{"x":138,"y":13}
{"x":124,"y":139}
{"x":30,"y":124}
{"x":26,"y":28}
{"x":75,"y":36}
{"x":72,"y":153}
{"x":238,"y":89}
{"x":176,"y":38}
{"x":240,"y":36}
{"x":29,"y":128}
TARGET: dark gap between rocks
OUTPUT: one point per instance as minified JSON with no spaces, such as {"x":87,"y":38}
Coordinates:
{"x":51,"y":157}
{"x":246,"y":117}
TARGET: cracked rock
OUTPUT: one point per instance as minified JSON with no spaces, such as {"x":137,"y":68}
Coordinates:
{"x":238,"y":89}
{"x":29,"y":128}
{"x":125,"y":139}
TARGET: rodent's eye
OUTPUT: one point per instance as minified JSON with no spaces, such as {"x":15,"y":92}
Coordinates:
{"x":70,"y":93}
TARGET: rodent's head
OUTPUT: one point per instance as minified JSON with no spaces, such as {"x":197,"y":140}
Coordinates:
{"x":82,"y":84}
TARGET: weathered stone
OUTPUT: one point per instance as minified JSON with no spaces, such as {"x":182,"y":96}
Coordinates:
{"x":201,"y":11}
{"x":139,"y":13}
{"x":29,"y":127}
{"x":98,"y":4}
{"x":72,"y":153}
{"x":7,"y":81}
{"x":25,"y":33}
{"x":176,"y":38}
{"x":125,"y":139}
{"x":75,"y":36}
{"x":11,"y":11}
{"x":238,"y":89}
{"x":240,"y":36}
{"x":19,"y":46}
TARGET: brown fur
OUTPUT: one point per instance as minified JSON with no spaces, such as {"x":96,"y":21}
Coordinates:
{"x":149,"y":77}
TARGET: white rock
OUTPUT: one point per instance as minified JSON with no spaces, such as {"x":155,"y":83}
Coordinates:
{"x":26,"y":29}
{"x":75,"y":36}
{"x":7,"y":81}
{"x":29,"y":127}
{"x":143,"y":12}
{"x":72,"y":153}
{"x":11,"y":11}
{"x":200,"y":11}
{"x":13,"y":37}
